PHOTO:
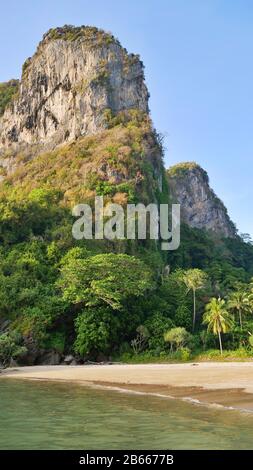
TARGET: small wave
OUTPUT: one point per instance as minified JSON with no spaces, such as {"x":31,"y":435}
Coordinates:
{"x":190,"y":400}
{"x":130,"y":391}
{"x":218,"y":406}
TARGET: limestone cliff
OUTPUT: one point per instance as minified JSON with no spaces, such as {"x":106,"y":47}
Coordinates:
{"x":200,"y":207}
{"x":75,"y":76}
{"x":79,"y":120}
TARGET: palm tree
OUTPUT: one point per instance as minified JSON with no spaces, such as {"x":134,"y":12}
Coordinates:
{"x":240,"y":302}
{"x":217,"y":318}
{"x":194,"y":279}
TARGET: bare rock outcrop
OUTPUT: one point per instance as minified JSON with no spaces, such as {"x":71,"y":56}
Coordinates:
{"x":75,"y":77}
{"x":200,"y":207}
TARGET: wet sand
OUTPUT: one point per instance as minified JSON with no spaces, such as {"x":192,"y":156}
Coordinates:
{"x":209,"y":383}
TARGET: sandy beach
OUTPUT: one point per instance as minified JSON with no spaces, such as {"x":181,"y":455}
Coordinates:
{"x":221,"y":384}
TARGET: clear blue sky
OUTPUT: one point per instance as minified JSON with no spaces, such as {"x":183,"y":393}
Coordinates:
{"x":199,"y":71}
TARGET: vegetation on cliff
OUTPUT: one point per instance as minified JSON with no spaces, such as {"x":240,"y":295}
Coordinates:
{"x":73,"y":33}
{"x":180,"y":170}
{"x":7,"y":91}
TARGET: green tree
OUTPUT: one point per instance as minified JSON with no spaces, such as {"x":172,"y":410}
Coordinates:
{"x":140,"y":341}
{"x":104,"y":279}
{"x":157,"y":324}
{"x":177,"y":337}
{"x":239,"y":302}
{"x":97,"y":330}
{"x":194,"y":279}
{"x":217,"y":318}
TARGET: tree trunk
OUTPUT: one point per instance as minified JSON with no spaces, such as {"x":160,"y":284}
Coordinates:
{"x":220,"y":342}
{"x":194,"y":310}
{"x":240,"y":317}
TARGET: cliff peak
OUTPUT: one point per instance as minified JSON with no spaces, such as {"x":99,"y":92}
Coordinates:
{"x":74,"y":78}
{"x":83,"y":32}
{"x":200,"y":207}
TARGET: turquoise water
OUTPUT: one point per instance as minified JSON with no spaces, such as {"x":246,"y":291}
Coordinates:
{"x":38,"y":415}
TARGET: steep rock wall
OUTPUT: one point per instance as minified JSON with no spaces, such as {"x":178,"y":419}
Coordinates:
{"x":200,"y":207}
{"x":67,"y":87}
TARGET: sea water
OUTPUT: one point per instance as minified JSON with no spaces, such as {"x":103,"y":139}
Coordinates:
{"x":45,"y":415}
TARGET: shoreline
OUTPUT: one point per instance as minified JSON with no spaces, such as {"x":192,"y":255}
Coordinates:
{"x":219,"y":385}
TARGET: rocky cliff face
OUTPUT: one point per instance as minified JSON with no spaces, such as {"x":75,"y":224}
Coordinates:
{"x":200,"y":207}
{"x":79,"y":120}
{"x":68,"y":86}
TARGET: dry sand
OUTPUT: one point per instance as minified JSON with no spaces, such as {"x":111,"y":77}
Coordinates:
{"x":226,"y":384}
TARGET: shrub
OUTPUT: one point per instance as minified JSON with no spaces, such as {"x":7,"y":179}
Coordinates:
{"x":177,"y":338}
{"x":251,"y":340}
{"x":157,"y":324}
{"x":214,"y":354}
{"x":10,"y":348}
{"x":185,"y":354}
